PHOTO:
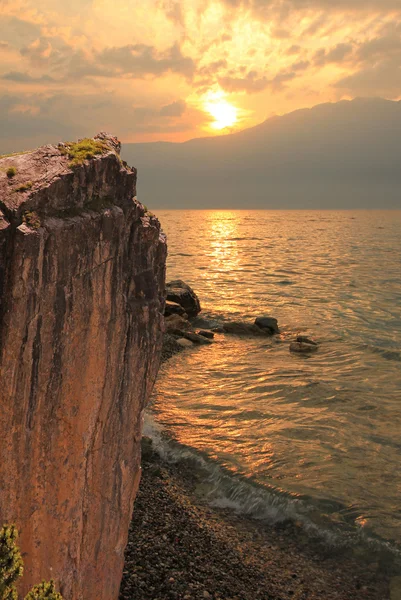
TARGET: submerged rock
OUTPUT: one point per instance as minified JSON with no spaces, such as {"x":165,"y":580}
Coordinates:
{"x":303,"y":347}
{"x":81,"y":301}
{"x":303,"y":339}
{"x":181,"y":293}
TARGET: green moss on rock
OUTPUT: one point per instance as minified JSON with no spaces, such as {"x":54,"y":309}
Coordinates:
{"x":83,"y":150}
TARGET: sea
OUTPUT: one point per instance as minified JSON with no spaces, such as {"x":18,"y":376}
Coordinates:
{"x":315,"y":439}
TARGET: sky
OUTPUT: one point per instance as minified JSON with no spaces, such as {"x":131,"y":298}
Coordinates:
{"x":173,"y":70}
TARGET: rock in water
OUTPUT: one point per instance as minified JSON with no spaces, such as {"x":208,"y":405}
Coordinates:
{"x":183,"y":294}
{"x":81,"y":302}
{"x":206,"y":334}
{"x":267,"y":323}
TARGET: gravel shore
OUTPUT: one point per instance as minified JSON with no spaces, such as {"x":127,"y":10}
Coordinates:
{"x":180,"y":548}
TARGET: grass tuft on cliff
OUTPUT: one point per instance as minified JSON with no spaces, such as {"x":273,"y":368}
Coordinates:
{"x":11,"y":565}
{"x":11,"y":172}
{"x":43,"y":591}
{"x":83,"y":150}
{"x":12,"y":568}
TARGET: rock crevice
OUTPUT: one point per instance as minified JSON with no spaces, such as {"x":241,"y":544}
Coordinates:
{"x":82,"y":268}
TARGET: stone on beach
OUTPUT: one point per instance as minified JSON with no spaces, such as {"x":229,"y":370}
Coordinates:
{"x":173,"y":308}
{"x":184,"y":343}
{"x":174,"y":322}
{"x":181,"y":293}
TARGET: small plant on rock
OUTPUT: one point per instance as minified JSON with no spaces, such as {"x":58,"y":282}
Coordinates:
{"x":44,"y":591}
{"x":32,"y":219}
{"x":11,"y":172}
{"x":11,"y":565}
{"x":80,"y":151}
{"x":24,"y":187}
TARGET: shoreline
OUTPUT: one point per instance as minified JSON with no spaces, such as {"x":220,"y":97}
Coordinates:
{"x":181,"y":548}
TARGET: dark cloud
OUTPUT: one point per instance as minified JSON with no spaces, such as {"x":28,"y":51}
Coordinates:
{"x":175,"y":109}
{"x":20,"y":77}
{"x":301,"y":65}
{"x":260,"y":6}
{"x":337,"y":54}
{"x":383,"y":79}
{"x":253,"y":83}
{"x":17,"y":32}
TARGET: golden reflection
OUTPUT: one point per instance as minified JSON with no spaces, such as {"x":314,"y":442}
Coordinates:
{"x":224,"y":253}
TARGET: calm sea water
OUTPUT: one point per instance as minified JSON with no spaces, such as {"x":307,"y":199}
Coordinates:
{"x":316,"y":438}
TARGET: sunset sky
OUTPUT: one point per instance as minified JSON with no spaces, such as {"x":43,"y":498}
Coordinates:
{"x":171,"y":70}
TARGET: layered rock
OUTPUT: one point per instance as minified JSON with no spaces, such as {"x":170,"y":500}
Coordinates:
{"x":82,"y":269}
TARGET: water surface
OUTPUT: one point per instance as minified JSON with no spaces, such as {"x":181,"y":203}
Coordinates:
{"x":315,"y":437}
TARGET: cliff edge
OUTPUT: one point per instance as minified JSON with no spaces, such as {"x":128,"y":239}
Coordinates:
{"x":82,"y":269}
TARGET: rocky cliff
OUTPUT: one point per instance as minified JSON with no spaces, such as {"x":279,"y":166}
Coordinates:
{"x":82,"y":268}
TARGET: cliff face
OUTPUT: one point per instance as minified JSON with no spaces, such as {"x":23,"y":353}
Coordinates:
{"x":82,"y":270}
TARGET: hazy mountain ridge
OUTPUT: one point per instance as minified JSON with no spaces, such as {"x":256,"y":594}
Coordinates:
{"x":335,"y":155}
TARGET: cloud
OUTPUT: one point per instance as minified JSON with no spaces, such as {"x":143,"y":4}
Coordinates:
{"x":20,"y":77}
{"x":18,"y":32}
{"x":175,"y":109}
{"x":383,"y":79}
{"x":28,"y":120}
{"x":258,"y":6}
{"x":335,"y":55}
{"x":253,"y":83}
{"x":140,"y":60}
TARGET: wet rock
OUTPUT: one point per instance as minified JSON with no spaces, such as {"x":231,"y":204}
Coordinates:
{"x":174,"y":322}
{"x":218,"y":330}
{"x":172,"y":308}
{"x":81,"y":332}
{"x":240,"y":328}
{"x":206,"y":334}
{"x":205,"y":323}
{"x":181,"y":293}
{"x":269,"y":323}
{"x":302,"y":347}
{"x":197,"y":339}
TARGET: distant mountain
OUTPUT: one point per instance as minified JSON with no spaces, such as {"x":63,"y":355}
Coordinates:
{"x":339,"y":155}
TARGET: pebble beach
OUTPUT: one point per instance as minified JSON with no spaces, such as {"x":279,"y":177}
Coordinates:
{"x":181,"y":548}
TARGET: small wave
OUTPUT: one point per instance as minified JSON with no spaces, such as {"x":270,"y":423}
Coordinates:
{"x":383,"y":352}
{"x":272,"y":506}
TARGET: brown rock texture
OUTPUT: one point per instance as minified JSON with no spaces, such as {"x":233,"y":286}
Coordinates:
{"x":82,"y":270}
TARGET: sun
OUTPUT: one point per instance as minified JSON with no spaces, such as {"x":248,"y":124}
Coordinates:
{"x":224,"y":113}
